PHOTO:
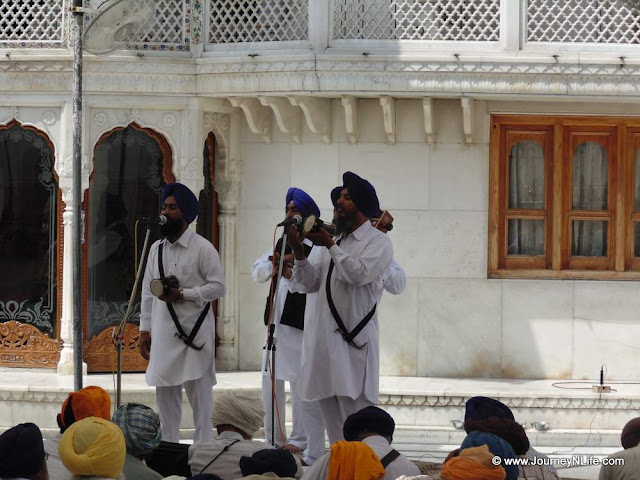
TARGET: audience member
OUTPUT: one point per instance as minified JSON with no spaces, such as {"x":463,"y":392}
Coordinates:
{"x":22,"y":454}
{"x":237,"y":416}
{"x":474,"y":463}
{"x":629,"y":470}
{"x":91,"y":401}
{"x":269,"y":463}
{"x":496,"y":445}
{"x":374,"y":427}
{"x":141,"y":428}
{"x":94,"y":448}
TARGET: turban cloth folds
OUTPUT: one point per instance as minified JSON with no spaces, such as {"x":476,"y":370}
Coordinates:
{"x":21,"y":451}
{"x":354,"y":460}
{"x":473,"y":463}
{"x":140,"y":426}
{"x":239,"y":409}
{"x":302,"y":201}
{"x":280,"y":462}
{"x":631,"y":434}
{"x":370,"y":419}
{"x":497,"y":446}
{"x":91,"y":401}
{"x":94,"y":447}
{"x":362,"y":193}
{"x":184,"y":197}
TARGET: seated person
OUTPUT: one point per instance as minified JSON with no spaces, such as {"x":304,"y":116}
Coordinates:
{"x":22,"y":453}
{"x":269,"y":463}
{"x":141,"y":428}
{"x":630,"y":440}
{"x":473,"y":463}
{"x":91,"y":401}
{"x":237,"y":416}
{"x":94,"y":448}
{"x":374,"y":427}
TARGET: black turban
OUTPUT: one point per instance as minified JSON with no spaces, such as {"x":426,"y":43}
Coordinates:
{"x":362,"y":193}
{"x":335,"y":195}
{"x":631,"y":434}
{"x":482,"y":408}
{"x":186,"y":200}
{"x":21,"y":451}
{"x":278,"y":461}
{"x":369,"y":419}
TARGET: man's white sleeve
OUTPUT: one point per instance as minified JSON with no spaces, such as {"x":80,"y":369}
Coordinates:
{"x":395,"y":280}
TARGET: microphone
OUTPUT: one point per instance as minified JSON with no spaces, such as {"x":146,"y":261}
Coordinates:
{"x":159,"y":220}
{"x":295,"y":220}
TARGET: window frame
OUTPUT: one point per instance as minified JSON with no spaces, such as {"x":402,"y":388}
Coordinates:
{"x":565,"y":132}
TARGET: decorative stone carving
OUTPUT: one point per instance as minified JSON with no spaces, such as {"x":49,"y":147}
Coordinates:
{"x":192,"y":169}
{"x":101,"y":353}
{"x":427,"y":107}
{"x":389,"y":117}
{"x":49,"y":118}
{"x":100,"y":119}
{"x":317,"y":112}
{"x":15,"y":113}
{"x":259,"y":117}
{"x":134,"y":115}
{"x":220,"y":120}
{"x":350,"y":105}
{"x":169,"y":120}
{"x":288,"y":117}
{"x":467,"y":119}
{"x":25,"y":346}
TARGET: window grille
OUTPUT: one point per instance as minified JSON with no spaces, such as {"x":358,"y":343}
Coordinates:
{"x":29,"y":23}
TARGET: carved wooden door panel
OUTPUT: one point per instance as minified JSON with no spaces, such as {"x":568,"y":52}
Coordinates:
{"x":30,"y":249}
{"x":131,"y":167}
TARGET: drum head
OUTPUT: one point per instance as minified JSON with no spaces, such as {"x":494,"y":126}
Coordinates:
{"x":308,"y":223}
{"x":157,"y":287}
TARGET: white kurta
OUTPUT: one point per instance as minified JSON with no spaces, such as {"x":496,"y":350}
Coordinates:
{"x":395,"y":280}
{"x":196,"y":263}
{"x":331,"y":366}
{"x":289,"y":339}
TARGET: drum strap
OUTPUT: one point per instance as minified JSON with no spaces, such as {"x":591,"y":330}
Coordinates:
{"x":187,"y":339}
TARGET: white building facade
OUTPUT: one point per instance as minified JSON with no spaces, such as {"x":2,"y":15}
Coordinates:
{"x":503,"y":136}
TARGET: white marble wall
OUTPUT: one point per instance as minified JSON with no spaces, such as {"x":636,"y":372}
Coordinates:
{"x":451,"y":321}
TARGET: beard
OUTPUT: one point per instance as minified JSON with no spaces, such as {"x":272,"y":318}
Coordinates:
{"x":172,"y":227}
{"x":345,"y":222}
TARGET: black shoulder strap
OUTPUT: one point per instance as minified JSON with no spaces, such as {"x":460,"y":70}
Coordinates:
{"x":216,"y":457}
{"x":187,"y":339}
{"x":348,"y":336}
{"x":389,"y":457}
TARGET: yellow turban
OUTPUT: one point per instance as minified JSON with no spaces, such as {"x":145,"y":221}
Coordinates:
{"x":93,"y":446}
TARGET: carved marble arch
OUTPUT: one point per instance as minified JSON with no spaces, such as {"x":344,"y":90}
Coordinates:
{"x":131,"y":165}
{"x":30,"y":248}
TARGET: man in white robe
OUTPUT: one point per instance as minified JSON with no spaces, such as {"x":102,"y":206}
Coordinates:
{"x":343,"y":375}
{"x":176,"y":359}
{"x":289,"y":334}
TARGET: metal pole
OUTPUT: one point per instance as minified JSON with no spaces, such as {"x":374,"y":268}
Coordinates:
{"x":76,"y":35}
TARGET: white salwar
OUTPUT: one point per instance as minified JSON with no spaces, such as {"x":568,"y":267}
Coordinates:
{"x":196,"y":264}
{"x":332,"y":367}
{"x":287,"y":359}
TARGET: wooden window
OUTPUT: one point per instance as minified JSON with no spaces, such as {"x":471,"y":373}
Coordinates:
{"x":564,"y":197}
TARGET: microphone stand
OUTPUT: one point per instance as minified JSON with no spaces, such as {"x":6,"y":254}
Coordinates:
{"x":271,"y":340}
{"x":118,"y":332}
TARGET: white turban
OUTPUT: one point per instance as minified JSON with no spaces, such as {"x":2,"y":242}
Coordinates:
{"x":240,"y":409}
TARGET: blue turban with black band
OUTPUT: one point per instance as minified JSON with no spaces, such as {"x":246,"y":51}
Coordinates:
{"x":186,"y":200}
{"x":21,"y":451}
{"x":362,"y":194}
{"x":497,"y":446}
{"x":302,"y":201}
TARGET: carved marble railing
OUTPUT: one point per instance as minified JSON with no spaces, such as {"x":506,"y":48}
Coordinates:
{"x":220,"y":26}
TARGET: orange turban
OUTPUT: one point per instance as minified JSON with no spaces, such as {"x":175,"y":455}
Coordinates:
{"x":354,"y":460}
{"x":473,"y":464}
{"x":91,"y":401}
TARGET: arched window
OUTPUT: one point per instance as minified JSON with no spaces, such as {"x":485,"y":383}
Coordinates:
{"x":131,"y":167}
{"x":29,"y":245}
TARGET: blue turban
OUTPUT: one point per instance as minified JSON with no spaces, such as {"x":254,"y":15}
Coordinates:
{"x":482,"y":408}
{"x":186,"y":200}
{"x":302,"y":201}
{"x":497,"y":446}
{"x":362,"y":193}
{"x":335,"y":195}
{"x":21,"y":451}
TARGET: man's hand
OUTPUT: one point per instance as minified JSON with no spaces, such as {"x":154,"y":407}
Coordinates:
{"x":322,"y":238}
{"x":294,"y":239}
{"x":144,"y":343}
{"x":173,"y":295}
{"x":287,"y":265}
